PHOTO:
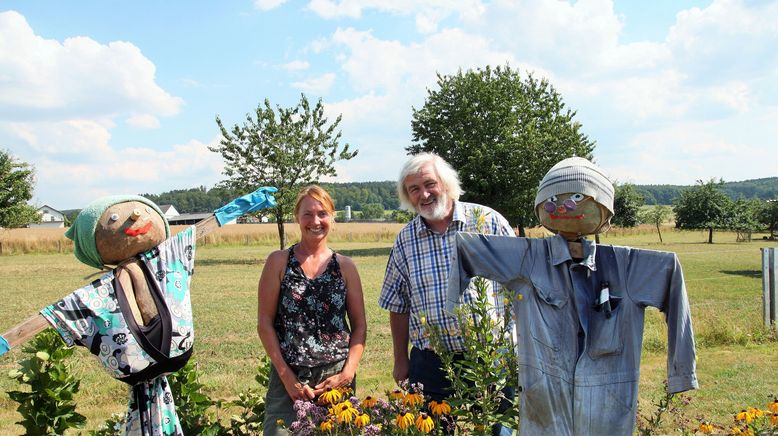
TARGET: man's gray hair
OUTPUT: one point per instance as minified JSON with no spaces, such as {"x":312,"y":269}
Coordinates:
{"x":448,"y":177}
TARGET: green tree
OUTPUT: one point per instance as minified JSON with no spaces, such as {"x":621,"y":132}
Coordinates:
{"x":703,"y":206}
{"x":742,"y":217}
{"x":769,"y":217}
{"x":656,"y":215}
{"x":16,"y":185}
{"x":373,"y":211}
{"x":287,"y":148}
{"x":626,"y":205}
{"x":501,"y":133}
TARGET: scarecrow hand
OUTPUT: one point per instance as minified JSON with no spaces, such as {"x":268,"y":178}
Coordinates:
{"x":3,"y":346}
{"x":259,"y":199}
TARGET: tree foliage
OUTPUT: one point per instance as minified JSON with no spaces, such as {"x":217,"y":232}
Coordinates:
{"x":283,"y":147}
{"x":656,"y":215}
{"x":703,"y":206}
{"x":626,"y":205}
{"x":501,"y":133}
{"x":373,"y":211}
{"x":17,"y":180}
{"x":768,"y":216}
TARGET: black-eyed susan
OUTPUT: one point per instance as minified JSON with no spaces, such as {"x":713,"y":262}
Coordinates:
{"x":404,"y":420}
{"x":774,"y":418}
{"x":326,"y":425}
{"x":330,"y":396}
{"x":369,"y":402}
{"x":756,"y":413}
{"x":280,"y":422}
{"x":773,"y":406}
{"x":441,"y":408}
{"x":396,"y":394}
{"x":424,"y":423}
{"x":413,"y":399}
{"x":344,"y":412}
{"x":744,"y":416}
{"x":706,"y":427}
{"x":362,"y":420}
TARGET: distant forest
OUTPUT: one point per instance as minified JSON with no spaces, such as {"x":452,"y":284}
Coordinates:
{"x":359,"y":194}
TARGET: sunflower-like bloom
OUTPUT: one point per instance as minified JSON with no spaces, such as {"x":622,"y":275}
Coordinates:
{"x":362,"y":420}
{"x":439,"y":408}
{"x":744,"y":416}
{"x":774,"y":418}
{"x":396,"y":394}
{"x":413,"y":399}
{"x":756,"y":413}
{"x":424,"y":423}
{"x":369,"y":402}
{"x":706,"y":427}
{"x":331,"y":396}
{"x":344,"y":412}
{"x":404,"y":420}
{"x":326,"y":425}
{"x":773,"y":406}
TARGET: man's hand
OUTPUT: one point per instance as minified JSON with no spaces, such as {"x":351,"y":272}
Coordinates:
{"x":400,"y":371}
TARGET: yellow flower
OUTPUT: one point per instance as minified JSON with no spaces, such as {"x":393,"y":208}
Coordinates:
{"x":396,"y":394}
{"x":361,"y":420}
{"x":424,"y":423}
{"x":755,"y":413}
{"x":774,"y":418}
{"x":423,"y":320}
{"x":706,"y":427}
{"x":439,"y":408}
{"x":773,"y":406}
{"x":744,"y":415}
{"x":326,"y":425}
{"x":345,"y":390}
{"x":519,"y":297}
{"x":413,"y":399}
{"x":344,"y":412}
{"x":369,"y":402}
{"x":332,"y":396}
{"x":405,"y":420}
{"x":280,"y":422}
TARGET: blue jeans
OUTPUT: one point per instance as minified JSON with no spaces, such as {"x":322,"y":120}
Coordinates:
{"x":426,"y":368}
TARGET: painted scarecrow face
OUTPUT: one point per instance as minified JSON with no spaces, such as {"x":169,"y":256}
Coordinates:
{"x":572,"y":214}
{"x":126,"y":229}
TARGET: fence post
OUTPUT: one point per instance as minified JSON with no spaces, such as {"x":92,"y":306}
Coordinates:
{"x":769,"y":295}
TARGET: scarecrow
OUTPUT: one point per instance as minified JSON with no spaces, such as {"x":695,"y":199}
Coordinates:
{"x":579,"y":308}
{"x":137,"y":317}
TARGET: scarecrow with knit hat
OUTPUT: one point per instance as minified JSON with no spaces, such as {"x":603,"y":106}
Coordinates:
{"x":579,"y":307}
{"x":137,"y":317}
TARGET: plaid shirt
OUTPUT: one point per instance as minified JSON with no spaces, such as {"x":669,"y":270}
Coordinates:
{"x":416,"y":276}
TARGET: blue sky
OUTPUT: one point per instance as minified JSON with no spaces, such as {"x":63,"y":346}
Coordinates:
{"x":120,"y":97}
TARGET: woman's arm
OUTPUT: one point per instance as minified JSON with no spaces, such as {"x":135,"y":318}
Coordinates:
{"x":267,"y":304}
{"x":355,"y":308}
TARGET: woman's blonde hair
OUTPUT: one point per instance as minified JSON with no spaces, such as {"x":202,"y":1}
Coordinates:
{"x":317,"y":193}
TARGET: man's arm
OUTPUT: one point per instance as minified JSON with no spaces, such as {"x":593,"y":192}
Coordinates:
{"x":398,"y":323}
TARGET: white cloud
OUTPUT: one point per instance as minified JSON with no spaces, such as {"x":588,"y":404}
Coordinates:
{"x":67,"y":137}
{"x":295,"y":65}
{"x":143,"y":121}
{"x":316,"y":85}
{"x":266,"y":5}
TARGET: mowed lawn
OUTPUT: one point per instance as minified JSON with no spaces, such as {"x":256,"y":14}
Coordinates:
{"x":737,"y":357}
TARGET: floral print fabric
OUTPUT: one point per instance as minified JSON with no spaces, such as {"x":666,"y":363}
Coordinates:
{"x":311,"y":317}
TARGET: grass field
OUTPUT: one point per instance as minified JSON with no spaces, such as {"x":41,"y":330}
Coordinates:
{"x":737,"y":357}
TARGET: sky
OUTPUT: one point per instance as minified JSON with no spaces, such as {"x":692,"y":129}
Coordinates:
{"x":106,"y":98}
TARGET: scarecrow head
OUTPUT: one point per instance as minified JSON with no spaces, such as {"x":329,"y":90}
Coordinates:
{"x":575,"y":199}
{"x":115,"y":228}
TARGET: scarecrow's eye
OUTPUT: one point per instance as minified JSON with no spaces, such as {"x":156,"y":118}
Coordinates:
{"x":577,"y":197}
{"x":114,"y":216}
{"x":552,"y":199}
{"x":148,"y":209}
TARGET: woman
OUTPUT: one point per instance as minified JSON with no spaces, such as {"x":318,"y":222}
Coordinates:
{"x":305,"y":293}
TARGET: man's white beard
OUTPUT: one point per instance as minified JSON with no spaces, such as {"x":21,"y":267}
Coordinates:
{"x":439,"y":212}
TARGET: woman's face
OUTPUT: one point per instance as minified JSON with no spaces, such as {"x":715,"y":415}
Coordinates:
{"x":313,"y":218}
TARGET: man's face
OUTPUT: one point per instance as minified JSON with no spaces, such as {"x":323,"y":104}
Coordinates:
{"x":427,"y":194}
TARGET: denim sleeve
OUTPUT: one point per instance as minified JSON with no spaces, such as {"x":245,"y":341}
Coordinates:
{"x":498,"y":258}
{"x":656,"y":279}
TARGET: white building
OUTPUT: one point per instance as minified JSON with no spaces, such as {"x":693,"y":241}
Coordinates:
{"x":50,"y":217}
{"x":169,"y":211}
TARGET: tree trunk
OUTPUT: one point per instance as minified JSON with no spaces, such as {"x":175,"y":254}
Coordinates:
{"x":660,"y":234}
{"x":710,"y":235}
{"x":522,"y":233}
{"x":281,"y":234}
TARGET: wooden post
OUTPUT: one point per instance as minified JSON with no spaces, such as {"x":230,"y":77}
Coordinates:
{"x":769,"y":294}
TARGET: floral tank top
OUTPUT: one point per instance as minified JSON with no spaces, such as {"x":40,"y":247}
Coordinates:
{"x":311,"y":317}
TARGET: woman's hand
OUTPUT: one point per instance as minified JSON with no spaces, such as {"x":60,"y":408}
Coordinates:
{"x":333,"y":382}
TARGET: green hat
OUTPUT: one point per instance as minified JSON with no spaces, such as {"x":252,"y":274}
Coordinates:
{"x":82,"y":232}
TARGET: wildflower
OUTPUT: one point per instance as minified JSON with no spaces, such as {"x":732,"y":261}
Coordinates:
{"x":326,"y":425}
{"x":280,"y":422}
{"x":773,"y":406}
{"x":396,"y":394}
{"x":423,"y":320}
{"x":42,"y":355}
{"x":330,"y":397}
{"x":404,"y":420}
{"x":756,"y":413}
{"x":706,"y":427}
{"x":519,"y":297}
{"x":344,"y":412}
{"x":424,"y":423}
{"x":744,"y":415}
{"x":439,"y":408}
{"x":369,"y":402}
{"x":774,"y":418}
{"x":361,"y":420}
{"x":413,"y":399}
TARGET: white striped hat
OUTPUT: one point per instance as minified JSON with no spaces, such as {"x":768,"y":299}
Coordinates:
{"x":576,"y":174}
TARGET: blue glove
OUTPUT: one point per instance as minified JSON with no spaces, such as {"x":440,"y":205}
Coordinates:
{"x":3,"y":346}
{"x":259,"y":199}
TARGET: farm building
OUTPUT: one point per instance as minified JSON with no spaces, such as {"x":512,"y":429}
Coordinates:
{"x":50,"y":217}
